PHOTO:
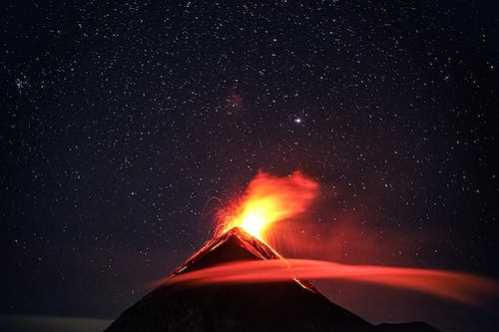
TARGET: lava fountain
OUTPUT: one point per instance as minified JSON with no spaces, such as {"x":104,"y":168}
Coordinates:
{"x":269,"y":199}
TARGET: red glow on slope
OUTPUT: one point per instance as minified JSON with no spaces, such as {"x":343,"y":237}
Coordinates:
{"x":456,"y":286}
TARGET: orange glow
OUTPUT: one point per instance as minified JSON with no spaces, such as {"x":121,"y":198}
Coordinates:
{"x":269,"y":199}
{"x":457,"y":286}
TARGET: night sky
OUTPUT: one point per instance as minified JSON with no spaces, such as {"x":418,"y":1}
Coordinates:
{"x":126,"y":126}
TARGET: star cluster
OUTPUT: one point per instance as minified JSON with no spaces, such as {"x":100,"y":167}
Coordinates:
{"x":127,"y":125}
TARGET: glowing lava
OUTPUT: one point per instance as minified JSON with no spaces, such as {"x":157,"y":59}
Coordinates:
{"x":269,"y":199}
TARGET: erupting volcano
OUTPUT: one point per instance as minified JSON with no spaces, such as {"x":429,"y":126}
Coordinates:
{"x":237,"y":282}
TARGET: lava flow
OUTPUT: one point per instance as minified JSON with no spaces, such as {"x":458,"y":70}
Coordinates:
{"x":269,"y":199}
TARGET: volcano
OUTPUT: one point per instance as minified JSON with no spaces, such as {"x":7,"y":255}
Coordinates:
{"x":292,"y":305}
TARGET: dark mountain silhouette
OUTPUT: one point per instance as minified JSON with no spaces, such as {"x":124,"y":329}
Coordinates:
{"x":406,"y":327}
{"x":279,"y":306}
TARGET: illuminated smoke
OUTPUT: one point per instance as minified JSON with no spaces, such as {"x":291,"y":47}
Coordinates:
{"x":456,"y":286}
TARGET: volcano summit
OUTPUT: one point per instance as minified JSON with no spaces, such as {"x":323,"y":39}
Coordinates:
{"x":291,"y":305}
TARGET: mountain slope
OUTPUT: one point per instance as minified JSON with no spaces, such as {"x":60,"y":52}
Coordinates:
{"x":282,"y":306}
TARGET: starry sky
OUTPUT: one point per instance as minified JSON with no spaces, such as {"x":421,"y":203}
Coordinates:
{"x":126,"y":125}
